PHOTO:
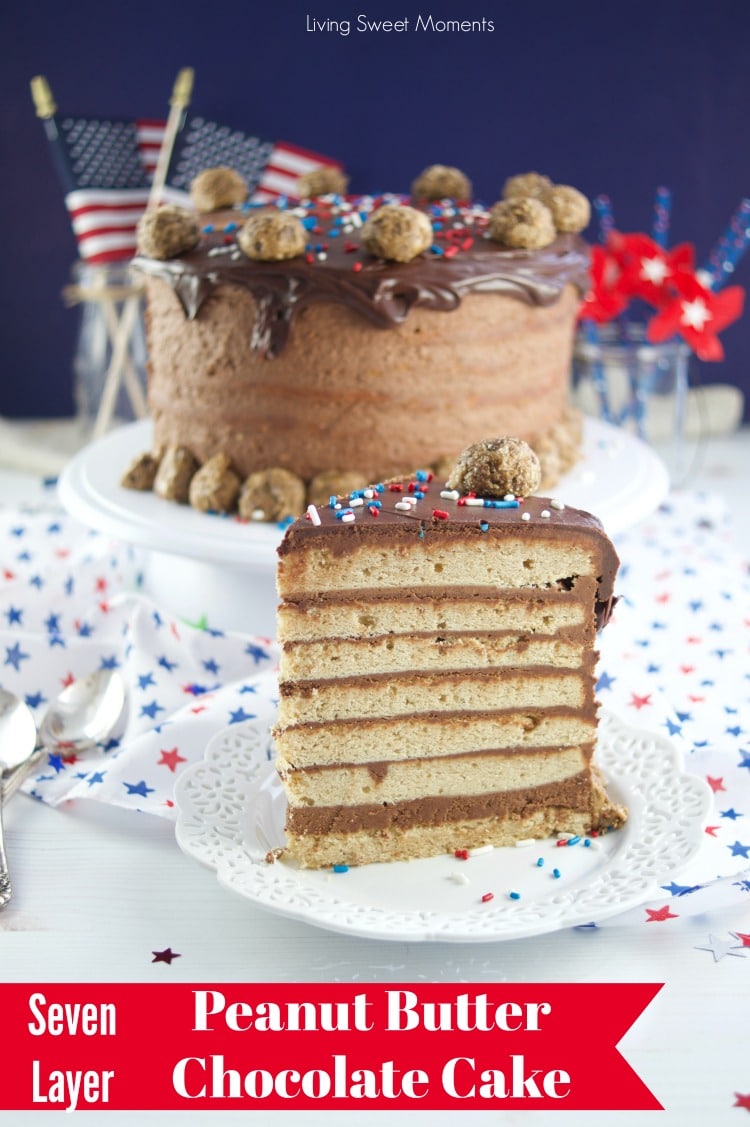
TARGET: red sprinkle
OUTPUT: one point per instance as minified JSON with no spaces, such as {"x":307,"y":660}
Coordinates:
{"x":373,"y":510}
{"x":462,"y":854}
{"x":562,"y":841}
{"x":440,"y":514}
{"x":396,"y":487}
{"x":227,"y":239}
{"x":357,"y":267}
{"x":350,"y":248}
{"x":487,"y":897}
{"x":309,"y":258}
{"x":467,"y":243}
{"x":461,"y":501}
{"x":450,"y":252}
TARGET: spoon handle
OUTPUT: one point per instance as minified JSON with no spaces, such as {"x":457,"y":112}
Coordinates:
{"x":6,"y":889}
{"x":13,"y":778}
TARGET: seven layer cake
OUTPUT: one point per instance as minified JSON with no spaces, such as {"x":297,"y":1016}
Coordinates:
{"x":437,"y":673}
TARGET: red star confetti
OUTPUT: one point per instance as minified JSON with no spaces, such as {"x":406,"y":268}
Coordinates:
{"x":658,"y":915}
{"x":742,"y":1101}
{"x":715,"y":784}
{"x":711,"y":830}
{"x":165,"y":956}
{"x":744,"y":939}
{"x":170,"y":759}
{"x":639,"y":702}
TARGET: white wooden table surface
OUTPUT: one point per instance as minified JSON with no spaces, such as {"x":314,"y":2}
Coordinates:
{"x":98,"y":890}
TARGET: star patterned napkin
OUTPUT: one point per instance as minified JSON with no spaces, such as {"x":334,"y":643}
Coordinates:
{"x":673,"y":661}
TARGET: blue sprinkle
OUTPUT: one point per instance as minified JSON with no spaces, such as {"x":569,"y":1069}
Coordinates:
{"x":514,"y":895}
{"x":484,"y":526}
{"x":422,"y":475}
{"x":332,"y":501}
{"x":309,"y":222}
{"x":379,"y":488}
{"x":437,"y":225}
{"x":435,"y":249}
{"x":283,"y":524}
{"x":488,"y":504}
{"x":573,"y":840}
{"x":341,"y":868}
{"x":540,"y":862}
{"x":356,"y":493}
{"x":375,"y":504}
{"x":419,"y":494}
{"x":343,"y":513}
{"x":208,"y":229}
{"x":421,"y":532}
{"x":334,"y":233}
{"x":230,"y":226}
{"x":556,"y":874}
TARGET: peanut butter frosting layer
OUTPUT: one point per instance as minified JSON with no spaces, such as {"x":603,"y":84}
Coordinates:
{"x":336,"y":268}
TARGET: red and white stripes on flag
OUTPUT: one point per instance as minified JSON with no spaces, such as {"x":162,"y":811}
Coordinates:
{"x":150,"y":135}
{"x":287,"y":164}
{"x":104,"y":222}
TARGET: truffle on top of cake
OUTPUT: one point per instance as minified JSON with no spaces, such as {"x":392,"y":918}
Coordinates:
{"x":303,"y":283}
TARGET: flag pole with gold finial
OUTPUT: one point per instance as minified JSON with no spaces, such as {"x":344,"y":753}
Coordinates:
{"x":181,"y":94}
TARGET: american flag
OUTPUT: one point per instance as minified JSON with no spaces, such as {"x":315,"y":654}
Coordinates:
{"x":270,"y":168}
{"x":110,"y":165}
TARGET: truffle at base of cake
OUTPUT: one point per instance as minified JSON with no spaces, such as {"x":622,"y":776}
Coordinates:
{"x":409,"y":842}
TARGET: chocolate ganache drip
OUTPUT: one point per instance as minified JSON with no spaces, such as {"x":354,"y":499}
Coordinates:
{"x":337,"y":268}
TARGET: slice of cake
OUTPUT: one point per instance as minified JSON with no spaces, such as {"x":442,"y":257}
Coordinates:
{"x":437,"y":670}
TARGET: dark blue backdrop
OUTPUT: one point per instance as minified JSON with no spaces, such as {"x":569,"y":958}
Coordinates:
{"x":611,"y":97}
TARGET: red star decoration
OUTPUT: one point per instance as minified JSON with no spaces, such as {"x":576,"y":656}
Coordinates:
{"x":639,"y":702}
{"x":693,"y":641}
{"x":62,"y":553}
{"x":175,"y":632}
{"x":8,"y":575}
{"x":165,"y":956}
{"x":170,"y":759}
{"x":647,"y":270}
{"x":698,"y":315}
{"x":168,"y":802}
{"x":711,"y":830}
{"x":715,"y":784}
{"x":198,"y":708}
{"x":695,"y":699}
{"x":104,"y":606}
{"x":741,"y":1101}
{"x":744,"y":939}
{"x":67,"y":680}
{"x":687,"y":669}
{"x":657,"y":915}
{"x":604,"y":301}
{"x":664,"y":597}
{"x":101,"y":584}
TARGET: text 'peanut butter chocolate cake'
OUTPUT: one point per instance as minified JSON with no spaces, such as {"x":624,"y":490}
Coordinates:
{"x":437,"y":670}
{"x":291,"y":346}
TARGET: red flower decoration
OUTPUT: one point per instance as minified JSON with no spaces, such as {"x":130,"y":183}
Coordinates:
{"x":647,"y":270}
{"x":604,"y":301}
{"x":697,"y":314}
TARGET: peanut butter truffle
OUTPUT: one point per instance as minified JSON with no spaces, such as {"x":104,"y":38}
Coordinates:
{"x":176,"y":470}
{"x":276,"y":493}
{"x":571,"y":211}
{"x":141,"y":473}
{"x":272,"y":236}
{"x":497,"y":467}
{"x":218,"y":187}
{"x":441,"y":182}
{"x":215,"y":486}
{"x":532,"y":184}
{"x":397,"y":233}
{"x":522,"y":222}
{"x":165,"y":232}
{"x":322,"y":181}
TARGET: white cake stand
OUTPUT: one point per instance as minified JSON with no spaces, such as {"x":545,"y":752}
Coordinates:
{"x":221,"y":570}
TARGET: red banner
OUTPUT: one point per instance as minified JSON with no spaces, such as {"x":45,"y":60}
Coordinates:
{"x":129,"y":1047}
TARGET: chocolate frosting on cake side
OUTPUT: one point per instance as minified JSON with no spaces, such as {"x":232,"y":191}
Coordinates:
{"x":383,"y":292}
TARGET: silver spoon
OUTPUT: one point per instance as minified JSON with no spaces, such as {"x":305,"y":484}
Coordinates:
{"x":84,"y":714}
{"x":17,"y":743}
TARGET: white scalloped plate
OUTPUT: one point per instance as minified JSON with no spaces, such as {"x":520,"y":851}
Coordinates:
{"x":231,"y":812}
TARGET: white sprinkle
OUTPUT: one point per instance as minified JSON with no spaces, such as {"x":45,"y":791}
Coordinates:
{"x":565,"y":836}
{"x":403,"y":506}
{"x":313,"y":514}
{"x":450,"y":494}
{"x":458,"y":878}
{"x":337,"y":505}
{"x":219,"y":250}
{"x":322,"y":256}
{"x":235,"y":255}
{"x":354,"y":501}
{"x":524,"y":842}
{"x":258,"y":514}
{"x":475,"y":501}
{"x":557,"y":505}
{"x":545,"y":513}
{"x":509,"y":497}
{"x":347,"y":518}
{"x":595,"y":844}
{"x":480,"y":850}
{"x":369,"y":493}
{"x":526,"y":516}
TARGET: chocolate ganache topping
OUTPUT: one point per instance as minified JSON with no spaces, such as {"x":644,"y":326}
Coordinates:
{"x":336,"y":267}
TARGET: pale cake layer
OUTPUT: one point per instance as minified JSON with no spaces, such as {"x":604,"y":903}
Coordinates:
{"x":318,"y":837}
{"x":410,"y":779}
{"x":405,"y":694}
{"x":401,"y":653}
{"x":452,"y":562}
{"x":424,"y":736}
{"x":365,"y":616}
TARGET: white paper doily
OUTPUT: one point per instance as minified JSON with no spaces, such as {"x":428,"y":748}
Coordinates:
{"x":231,"y":811}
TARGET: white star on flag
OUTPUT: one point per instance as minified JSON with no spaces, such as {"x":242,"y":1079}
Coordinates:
{"x":654,"y":270}
{"x":695,"y":314}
